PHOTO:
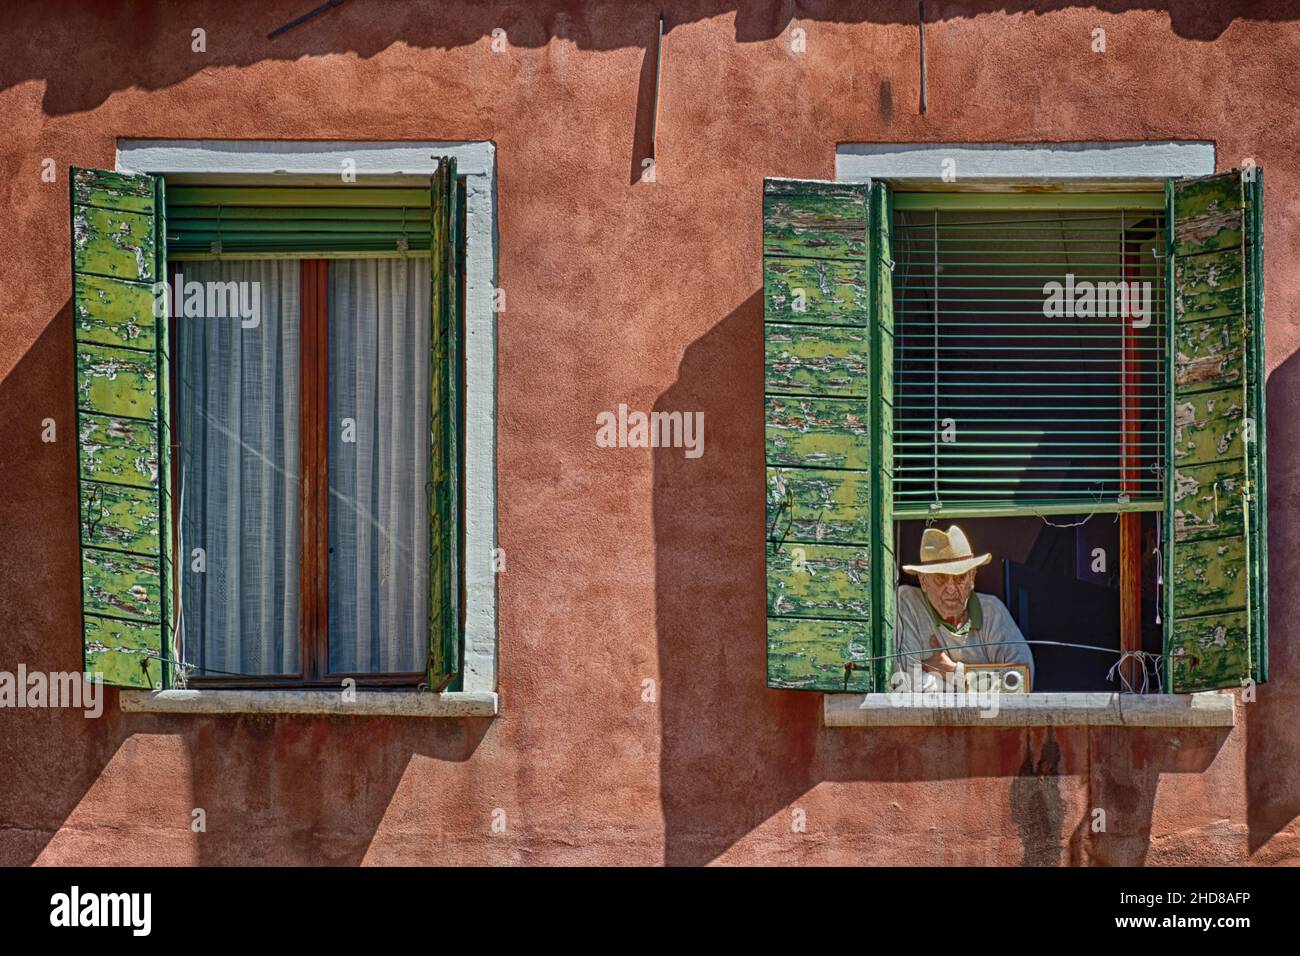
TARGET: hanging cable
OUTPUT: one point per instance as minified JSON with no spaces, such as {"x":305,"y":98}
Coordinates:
{"x":1143,"y":656}
{"x":1073,"y":524}
{"x":191,"y":668}
{"x":1117,"y":670}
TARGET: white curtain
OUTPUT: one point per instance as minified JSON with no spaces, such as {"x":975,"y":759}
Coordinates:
{"x":237,"y":416}
{"x":378,"y":464}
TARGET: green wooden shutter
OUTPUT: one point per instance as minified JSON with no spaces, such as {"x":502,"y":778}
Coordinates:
{"x":444,"y":444}
{"x":1215,"y":628}
{"x":819,"y":413}
{"x":123,"y":435}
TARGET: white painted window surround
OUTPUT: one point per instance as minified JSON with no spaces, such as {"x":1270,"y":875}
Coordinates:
{"x":1011,"y":163}
{"x":389,"y":162}
{"x":985,"y":165}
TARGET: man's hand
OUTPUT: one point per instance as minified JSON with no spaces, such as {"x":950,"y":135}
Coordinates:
{"x":939,"y":661}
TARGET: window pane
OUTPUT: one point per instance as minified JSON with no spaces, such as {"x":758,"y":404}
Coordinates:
{"x":378,"y":464}
{"x":237,"y":411}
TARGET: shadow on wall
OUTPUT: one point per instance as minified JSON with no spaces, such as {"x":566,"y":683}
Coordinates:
{"x":121,"y":789}
{"x":313,"y":798}
{"x":1272,"y":744}
{"x":92,"y":36}
{"x":737,"y":756}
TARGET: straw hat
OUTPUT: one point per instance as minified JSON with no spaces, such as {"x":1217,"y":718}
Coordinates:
{"x":946,"y":553}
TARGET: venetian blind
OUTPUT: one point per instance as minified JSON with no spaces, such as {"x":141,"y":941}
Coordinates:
{"x":202,"y":220}
{"x":1029,"y":352}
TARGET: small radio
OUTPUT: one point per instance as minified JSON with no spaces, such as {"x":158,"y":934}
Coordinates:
{"x":997,"y":678}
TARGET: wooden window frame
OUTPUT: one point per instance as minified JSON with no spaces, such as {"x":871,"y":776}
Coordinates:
{"x":313,"y":507}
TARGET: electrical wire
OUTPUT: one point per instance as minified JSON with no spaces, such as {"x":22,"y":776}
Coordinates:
{"x":1143,"y":656}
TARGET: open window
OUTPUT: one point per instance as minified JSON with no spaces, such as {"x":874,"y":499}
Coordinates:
{"x":1075,"y":378}
{"x":268,"y":394}
{"x":1029,"y":402}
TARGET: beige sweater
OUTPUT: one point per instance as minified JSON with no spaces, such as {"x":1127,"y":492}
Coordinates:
{"x":915,"y":624}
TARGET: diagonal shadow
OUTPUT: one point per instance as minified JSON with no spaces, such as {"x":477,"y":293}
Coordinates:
{"x":736,"y":754}
{"x":37,"y":46}
{"x":120,"y":789}
{"x":1272,"y":746}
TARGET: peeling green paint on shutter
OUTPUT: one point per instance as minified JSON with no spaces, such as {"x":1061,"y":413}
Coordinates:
{"x":444,"y":436}
{"x":121,"y":374}
{"x":1215,"y":621}
{"x":819,"y":423}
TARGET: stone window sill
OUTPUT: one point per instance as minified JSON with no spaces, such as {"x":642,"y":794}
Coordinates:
{"x":1208,"y":709}
{"x":366,"y":703}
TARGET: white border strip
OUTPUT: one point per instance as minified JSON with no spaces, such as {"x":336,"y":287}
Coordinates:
{"x":271,"y":157}
{"x":856,"y":162}
{"x":477,"y":162}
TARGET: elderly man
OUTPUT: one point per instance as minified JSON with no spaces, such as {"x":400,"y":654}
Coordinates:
{"x":937,"y":621}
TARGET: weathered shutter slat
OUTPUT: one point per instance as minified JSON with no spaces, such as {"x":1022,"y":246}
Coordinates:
{"x":831,"y":291}
{"x":818,"y":423}
{"x":818,"y":433}
{"x":816,"y":360}
{"x":111,"y":311}
{"x":826,"y":505}
{"x":1214,"y":545}
{"x":121,"y":374}
{"x":444,"y":451}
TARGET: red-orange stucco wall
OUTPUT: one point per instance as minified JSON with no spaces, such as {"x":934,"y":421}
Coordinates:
{"x":622,"y":565}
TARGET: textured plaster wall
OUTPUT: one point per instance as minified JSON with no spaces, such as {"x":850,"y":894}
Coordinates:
{"x":623,"y":565}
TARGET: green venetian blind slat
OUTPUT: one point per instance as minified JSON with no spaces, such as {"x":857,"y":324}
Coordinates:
{"x":999,"y":406}
{"x":261,"y":219}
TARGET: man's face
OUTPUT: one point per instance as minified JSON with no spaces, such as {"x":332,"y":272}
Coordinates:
{"x":948,"y":593}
